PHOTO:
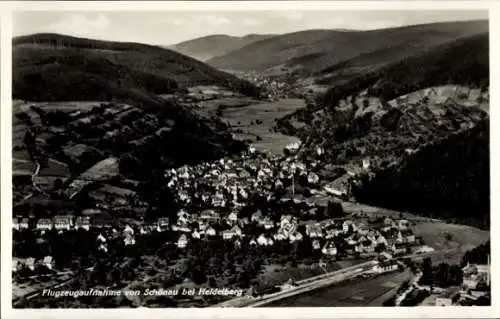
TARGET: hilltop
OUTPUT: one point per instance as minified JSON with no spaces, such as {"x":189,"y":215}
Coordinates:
{"x":311,"y":53}
{"x":69,"y":68}
{"x":205,"y":48}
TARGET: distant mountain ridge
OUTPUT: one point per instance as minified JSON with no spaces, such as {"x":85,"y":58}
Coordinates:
{"x":311,"y":52}
{"x":208,"y":47}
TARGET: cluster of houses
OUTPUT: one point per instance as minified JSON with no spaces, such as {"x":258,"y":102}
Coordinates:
{"x":475,"y":284}
{"x":213,"y":195}
{"x":226,"y":183}
{"x":355,"y":238}
{"x":271,"y":88}
{"x":59,"y":222}
{"x":31,"y":263}
{"x":327,"y":237}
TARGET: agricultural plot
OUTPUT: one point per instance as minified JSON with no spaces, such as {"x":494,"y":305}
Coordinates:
{"x":22,"y":167}
{"x":257,"y":121}
{"x":375,"y":212}
{"x":451,"y":241}
{"x":212,"y":105}
{"x":254,"y":120}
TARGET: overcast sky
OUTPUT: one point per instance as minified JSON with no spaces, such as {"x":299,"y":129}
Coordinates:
{"x":167,"y":27}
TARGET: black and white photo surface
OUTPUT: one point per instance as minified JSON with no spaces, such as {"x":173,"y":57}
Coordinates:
{"x":243,"y":158}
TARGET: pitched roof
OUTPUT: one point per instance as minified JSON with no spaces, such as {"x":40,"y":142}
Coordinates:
{"x":330,"y":244}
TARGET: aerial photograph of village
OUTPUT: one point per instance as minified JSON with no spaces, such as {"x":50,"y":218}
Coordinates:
{"x":250,"y":159}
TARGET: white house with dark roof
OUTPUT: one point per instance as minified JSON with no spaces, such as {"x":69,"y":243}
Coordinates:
{"x":296,"y":236}
{"x":182,"y":216}
{"x":44,"y":224}
{"x":316,"y":244}
{"x":102,"y":247}
{"x":285,"y":219}
{"x":184,"y":228}
{"x":347,"y":224}
{"x":380,"y":240}
{"x":237,"y":230}
{"x":391,"y":236}
{"x":262,"y":240}
{"x":15,"y":223}
{"x":243,"y":221}
{"x":15,"y":264}
{"x":366,"y":247}
{"x":232,"y":218}
{"x":386,"y":266}
{"x":331,"y":233}
{"x":82,"y":222}
{"x":329,"y":249}
{"x":196,"y":234}
{"x":182,"y":241}
{"x":129,"y":240}
{"x":313,"y":178}
{"x":24,"y":223}
{"x":237,"y":243}
{"x":314,"y":231}
{"x":209,"y":215}
{"x":48,"y":262}
{"x":101,"y":238}
{"x":280,"y":235}
{"x":30,"y":263}
{"x":210,"y":231}
{"x":228,"y":234}
{"x":406,"y":236}
{"x":128,"y":231}
{"x":163,"y":222}
{"x":266,"y":222}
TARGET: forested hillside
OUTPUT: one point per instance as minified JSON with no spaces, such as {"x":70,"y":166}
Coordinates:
{"x":447,"y":179}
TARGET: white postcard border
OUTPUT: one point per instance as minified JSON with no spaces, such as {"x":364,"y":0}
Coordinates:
{"x":6,"y":9}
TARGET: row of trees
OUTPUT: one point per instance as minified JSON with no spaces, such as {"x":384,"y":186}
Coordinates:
{"x":444,"y":275}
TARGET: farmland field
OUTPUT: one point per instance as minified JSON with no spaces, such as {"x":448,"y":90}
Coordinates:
{"x":247,"y":118}
{"x":355,"y":293}
{"x":19,"y":128}
{"x":451,"y":241}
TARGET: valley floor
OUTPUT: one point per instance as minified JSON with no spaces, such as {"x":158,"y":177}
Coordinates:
{"x":254,"y":120}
